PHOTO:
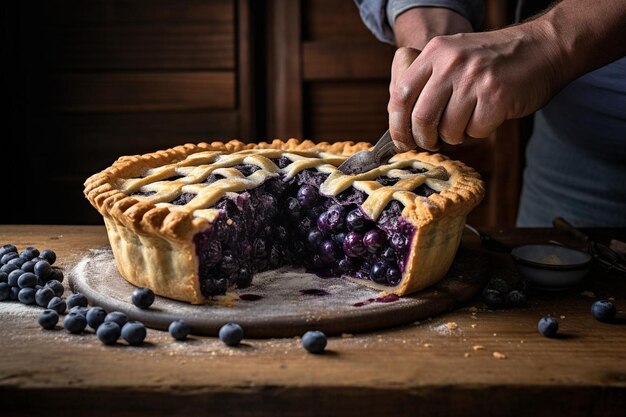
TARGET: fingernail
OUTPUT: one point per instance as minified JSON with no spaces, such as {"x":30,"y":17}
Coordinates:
{"x":402,"y":147}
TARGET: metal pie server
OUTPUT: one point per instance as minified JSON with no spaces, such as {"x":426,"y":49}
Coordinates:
{"x":367,"y":160}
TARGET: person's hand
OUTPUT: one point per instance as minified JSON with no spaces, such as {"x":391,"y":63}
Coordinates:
{"x":466,"y":85}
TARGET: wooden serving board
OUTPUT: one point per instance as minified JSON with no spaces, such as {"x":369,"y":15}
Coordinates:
{"x":285,"y":302}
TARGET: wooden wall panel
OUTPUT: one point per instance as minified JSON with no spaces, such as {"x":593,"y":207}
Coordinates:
{"x":142,"y":91}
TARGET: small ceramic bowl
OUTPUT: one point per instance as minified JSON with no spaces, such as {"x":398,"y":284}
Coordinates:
{"x":551,"y":266}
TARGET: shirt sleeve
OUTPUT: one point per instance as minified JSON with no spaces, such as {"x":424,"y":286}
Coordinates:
{"x":380,"y":15}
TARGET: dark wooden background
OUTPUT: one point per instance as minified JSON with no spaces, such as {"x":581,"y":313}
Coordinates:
{"x":87,"y":81}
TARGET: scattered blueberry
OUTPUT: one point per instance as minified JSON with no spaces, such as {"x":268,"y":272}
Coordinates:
{"x":14,"y":276}
{"x":17,"y":262}
{"x":7,"y":249}
{"x":76,"y":299}
{"x":5,"y":291}
{"x":4,"y":277}
{"x":603,"y":310}
{"x":134,"y":332}
{"x":75,"y":323}
{"x":548,"y":326}
{"x":117,"y":317}
{"x":492,"y":298}
{"x":55,"y":286}
{"x":95,"y":317}
{"x":43,"y":297}
{"x":28,"y":266}
{"x":27,"y":279}
{"x":179,"y":329}
{"x":14,"y":294}
{"x":29,"y":253}
{"x":49,"y":256}
{"x":143,"y":298}
{"x":57,"y":304}
{"x":48,"y":319}
{"x":8,"y":268}
{"x":108,"y":332}
{"x":231,"y":334}
{"x":314,"y":341}
{"x":42,"y":269}
{"x":516,"y":298}
{"x":55,"y":274}
{"x":8,"y":256}
{"x":80,"y":310}
{"x":26,"y":296}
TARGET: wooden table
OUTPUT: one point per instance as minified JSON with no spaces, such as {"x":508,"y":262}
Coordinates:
{"x":422,"y":369}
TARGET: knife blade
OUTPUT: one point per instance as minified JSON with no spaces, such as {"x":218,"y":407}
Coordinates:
{"x":367,"y":160}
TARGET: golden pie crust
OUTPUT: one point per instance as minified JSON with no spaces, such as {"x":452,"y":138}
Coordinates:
{"x":153,"y":241}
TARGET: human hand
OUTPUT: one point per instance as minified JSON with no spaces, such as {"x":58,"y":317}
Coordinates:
{"x":466,"y":85}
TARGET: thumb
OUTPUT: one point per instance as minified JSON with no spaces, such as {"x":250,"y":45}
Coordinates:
{"x":399,"y":118}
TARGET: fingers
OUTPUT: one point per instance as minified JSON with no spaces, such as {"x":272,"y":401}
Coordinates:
{"x":456,"y":117}
{"x":428,"y":111}
{"x":405,"y":87}
{"x":484,"y":120}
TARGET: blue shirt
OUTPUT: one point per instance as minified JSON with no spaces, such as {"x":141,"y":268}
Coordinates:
{"x":576,"y":156}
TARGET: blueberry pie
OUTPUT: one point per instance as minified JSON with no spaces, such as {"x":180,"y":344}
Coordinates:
{"x":193,"y":221}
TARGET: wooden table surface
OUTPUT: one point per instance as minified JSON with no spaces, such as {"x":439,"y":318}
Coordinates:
{"x":421,"y":369}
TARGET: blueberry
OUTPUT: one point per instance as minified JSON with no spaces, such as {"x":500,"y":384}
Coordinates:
{"x":48,"y":319}
{"x":118,"y":317}
{"x":315,"y":238}
{"x":4,"y":277}
{"x":8,"y":268}
{"x":179,"y":329}
{"x":5,"y":291}
{"x":26,"y":296}
{"x":332,"y":220}
{"x":353,"y":245}
{"x":80,"y":310}
{"x":143,"y":298}
{"x":14,"y":294}
{"x":55,"y":286}
{"x":74,"y":322}
{"x":603,"y":310}
{"x":134,"y":332}
{"x":398,"y":242}
{"x":307,"y":196}
{"x":43,"y":297}
{"x":314,"y":341}
{"x":304,"y":226}
{"x":356,"y":221}
{"x":231,"y":334}
{"x":346,"y":266}
{"x":548,"y":326}
{"x":108,"y":332}
{"x":499,"y":285}
{"x":57,"y":304}
{"x":27,"y":279}
{"x":42,"y":269}
{"x":49,"y":256}
{"x":7,"y":249}
{"x":493,"y":298}
{"x":516,"y":298}
{"x":17,"y":262}
{"x":14,"y":276}
{"x":8,"y":256}
{"x":29,"y":253}
{"x":393,"y":276}
{"x":340,"y":237}
{"x":378,"y":273}
{"x":374,"y":240}
{"x":55,"y":274}
{"x":229,"y":264}
{"x":95,"y":317}
{"x":294,"y":210}
{"x":28,"y":266}
{"x":329,"y":251}
{"x":244,"y":278}
{"x":76,"y":299}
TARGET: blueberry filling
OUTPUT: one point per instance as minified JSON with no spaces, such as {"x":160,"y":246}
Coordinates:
{"x":288,"y":222}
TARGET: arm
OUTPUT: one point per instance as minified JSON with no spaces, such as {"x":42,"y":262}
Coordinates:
{"x":469,"y":83}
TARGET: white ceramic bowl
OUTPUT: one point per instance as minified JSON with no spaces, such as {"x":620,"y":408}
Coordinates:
{"x":551,"y":266}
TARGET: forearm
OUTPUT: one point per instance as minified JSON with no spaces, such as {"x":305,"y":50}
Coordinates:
{"x":583,"y":36}
{"x":416,"y":27}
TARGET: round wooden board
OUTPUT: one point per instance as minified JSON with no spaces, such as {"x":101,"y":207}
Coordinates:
{"x":289,"y":302}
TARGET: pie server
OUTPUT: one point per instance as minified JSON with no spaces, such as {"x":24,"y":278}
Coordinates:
{"x":367,"y":160}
